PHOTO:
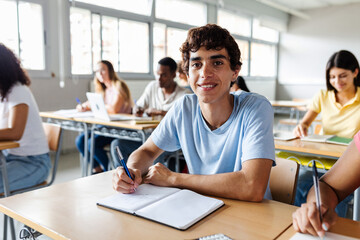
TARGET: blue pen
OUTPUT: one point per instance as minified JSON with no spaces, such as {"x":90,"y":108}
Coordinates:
{"x":122,"y":162}
{"x":78,"y":101}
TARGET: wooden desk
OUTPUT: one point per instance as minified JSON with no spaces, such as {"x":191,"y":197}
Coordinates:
{"x":290,"y":107}
{"x":327,"y":150}
{"x":69,"y":211}
{"x":343,"y":226}
{"x":311,"y":148}
{"x":117,"y":129}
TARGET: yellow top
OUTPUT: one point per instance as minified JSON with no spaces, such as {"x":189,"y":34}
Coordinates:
{"x":343,"y":121}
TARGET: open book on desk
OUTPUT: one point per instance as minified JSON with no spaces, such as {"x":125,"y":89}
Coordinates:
{"x":327,"y":139}
{"x":170,"y":206}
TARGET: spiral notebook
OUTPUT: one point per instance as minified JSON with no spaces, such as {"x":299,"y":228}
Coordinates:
{"x":174,"y":207}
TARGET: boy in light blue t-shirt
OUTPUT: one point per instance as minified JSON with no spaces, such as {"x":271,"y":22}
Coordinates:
{"x":226,"y":139}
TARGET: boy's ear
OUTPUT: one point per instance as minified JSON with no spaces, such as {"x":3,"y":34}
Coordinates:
{"x":236,"y":72}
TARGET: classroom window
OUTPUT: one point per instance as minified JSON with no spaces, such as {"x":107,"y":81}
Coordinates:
{"x":264,"y":33}
{"x":23,"y":24}
{"x":244,"y":49}
{"x":134,"y":46}
{"x":234,"y":23}
{"x":263,"y":60}
{"x":187,"y":12}
{"x":110,"y":46}
{"x":96,"y":40}
{"x":134,"y":6}
{"x":80,"y":35}
{"x":167,"y":42}
{"x":159,"y":42}
{"x":94,"y":37}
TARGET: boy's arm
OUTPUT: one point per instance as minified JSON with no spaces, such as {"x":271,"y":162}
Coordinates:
{"x":247,"y":184}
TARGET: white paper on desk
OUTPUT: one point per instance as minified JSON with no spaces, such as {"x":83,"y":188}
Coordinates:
{"x":73,"y":113}
{"x":285,"y":136}
{"x":145,"y":194}
{"x":181,"y":209}
{"x":328,"y":236}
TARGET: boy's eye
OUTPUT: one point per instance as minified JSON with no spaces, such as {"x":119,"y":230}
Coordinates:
{"x":216,"y":63}
{"x":196,"y":65}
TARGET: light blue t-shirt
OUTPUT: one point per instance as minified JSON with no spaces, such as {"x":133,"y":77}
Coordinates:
{"x":247,"y":134}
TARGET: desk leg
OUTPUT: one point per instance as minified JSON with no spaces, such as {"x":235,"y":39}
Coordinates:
{"x":86,"y":151}
{"x":356,"y":209}
{"x":6,"y":193}
{"x":92,"y":145}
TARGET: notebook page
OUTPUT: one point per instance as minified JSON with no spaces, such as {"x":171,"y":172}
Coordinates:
{"x":180,"y":210}
{"x":328,"y":236}
{"x":145,"y":194}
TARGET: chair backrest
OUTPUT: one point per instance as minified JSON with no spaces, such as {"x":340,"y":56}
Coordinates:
{"x":283,"y":180}
{"x":53,"y":134}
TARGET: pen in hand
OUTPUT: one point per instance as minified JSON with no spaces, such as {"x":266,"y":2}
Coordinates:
{"x":123,"y":164}
{"x":79,"y":102}
{"x":317,"y":194}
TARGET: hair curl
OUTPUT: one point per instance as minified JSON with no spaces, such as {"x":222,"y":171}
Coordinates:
{"x":210,"y":36}
{"x":11,"y":72}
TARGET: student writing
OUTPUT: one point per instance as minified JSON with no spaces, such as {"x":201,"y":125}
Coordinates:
{"x":227,"y":144}
{"x":117,"y":98}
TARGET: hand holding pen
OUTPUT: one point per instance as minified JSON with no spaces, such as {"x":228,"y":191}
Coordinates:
{"x":80,"y":106}
{"x":125,"y":180}
{"x":318,"y":199}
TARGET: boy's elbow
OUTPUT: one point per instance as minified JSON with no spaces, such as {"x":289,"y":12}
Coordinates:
{"x":254,"y":194}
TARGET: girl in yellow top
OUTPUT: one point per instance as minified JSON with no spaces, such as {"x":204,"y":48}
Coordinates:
{"x":117,"y":99}
{"x":340,"y":108}
{"x":340,"y":103}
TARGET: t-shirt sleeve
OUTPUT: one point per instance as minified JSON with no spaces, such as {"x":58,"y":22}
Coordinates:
{"x":143,"y":101}
{"x":357,"y":140}
{"x":315,"y":104}
{"x":165,"y":135}
{"x":18,"y":95}
{"x":258,"y":139}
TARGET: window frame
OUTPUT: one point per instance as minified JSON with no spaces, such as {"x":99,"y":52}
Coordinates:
{"x":45,"y":19}
{"x":251,"y":40}
{"x":120,"y":14}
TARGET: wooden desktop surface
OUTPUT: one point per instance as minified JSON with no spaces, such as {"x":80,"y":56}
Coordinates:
{"x":121,"y":124}
{"x":343,"y":226}
{"x":312,"y":148}
{"x":289,"y":104}
{"x":8,"y":144}
{"x":69,"y":211}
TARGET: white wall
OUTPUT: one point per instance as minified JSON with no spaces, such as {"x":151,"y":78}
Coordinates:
{"x":308,"y":44}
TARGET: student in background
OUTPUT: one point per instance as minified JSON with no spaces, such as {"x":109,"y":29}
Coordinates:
{"x":340,"y":103}
{"x":157,"y":99}
{"x":29,"y":164}
{"x":340,"y":181}
{"x":340,"y":111}
{"x":117,"y":98}
{"x":239,"y":84}
{"x":227,"y":145}
{"x":160,"y":95}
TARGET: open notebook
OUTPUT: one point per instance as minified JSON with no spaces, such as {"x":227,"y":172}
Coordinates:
{"x":170,"y":206}
{"x":327,"y":139}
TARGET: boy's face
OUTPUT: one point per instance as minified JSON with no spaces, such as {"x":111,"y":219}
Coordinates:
{"x":210,"y":75}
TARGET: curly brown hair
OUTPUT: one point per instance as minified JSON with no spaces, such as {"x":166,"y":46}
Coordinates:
{"x":11,"y":72}
{"x":210,"y":36}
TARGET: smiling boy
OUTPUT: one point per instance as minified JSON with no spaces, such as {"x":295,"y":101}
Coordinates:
{"x":226,"y":139}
